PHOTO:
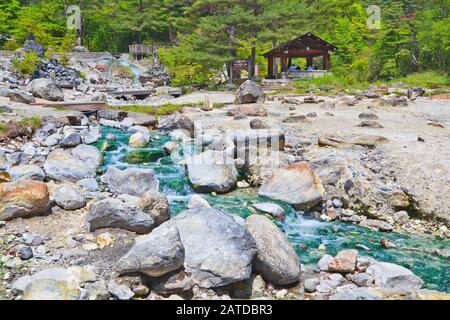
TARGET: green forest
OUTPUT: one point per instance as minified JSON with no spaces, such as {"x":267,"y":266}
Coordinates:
{"x":199,"y":36}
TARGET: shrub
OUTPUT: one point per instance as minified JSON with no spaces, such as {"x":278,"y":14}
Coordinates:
{"x":27,"y":65}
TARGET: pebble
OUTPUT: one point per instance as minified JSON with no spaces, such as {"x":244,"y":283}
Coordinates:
{"x":25,"y":253}
{"x":310,"y":285}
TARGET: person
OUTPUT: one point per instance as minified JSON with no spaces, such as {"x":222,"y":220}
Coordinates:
{"x":292,"y":68}
{"x":310,"y":68}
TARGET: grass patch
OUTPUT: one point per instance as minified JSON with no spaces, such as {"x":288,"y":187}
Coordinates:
{"x":162,"y":110}
{"x":34,"y":122}
{"x":2,"y":129}
{"x":327,"y":84}
{"x":430,"y":80}
{"x":122,"y":72}
{"x":152,"y":110}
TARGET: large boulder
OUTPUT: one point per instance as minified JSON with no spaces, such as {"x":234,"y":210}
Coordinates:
{"x":27,"y":172}
{"x":250,"y":92}
{"x":111,"y":115}
{"x":68,"y":197}
{"x":248,"y":111}
{"x":54,"y":283}
{"x":212,"y":171}
{"x":218,"y":249}
{"x":297,"y":185}
{"x":61,"y":166}
{"x":394,"y":278}
{"x":132,"y":181}
{"x":21,"y":97}
{"x":276,"y":259}
{"x":46,"y":89}
{"x":115,"y":213}
{"x":155,"y":254}
{"x":22,"y":199}
{"x":177,"y":121}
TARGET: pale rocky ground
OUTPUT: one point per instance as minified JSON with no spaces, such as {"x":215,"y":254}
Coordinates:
{"x":408,"y":168}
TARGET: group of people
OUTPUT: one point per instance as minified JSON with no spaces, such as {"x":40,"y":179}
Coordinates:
{"x":297,"y":68}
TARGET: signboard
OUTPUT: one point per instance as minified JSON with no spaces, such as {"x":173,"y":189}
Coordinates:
{"x":240,"y":65}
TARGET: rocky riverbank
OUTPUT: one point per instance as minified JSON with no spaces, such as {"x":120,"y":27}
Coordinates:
{"x":122,"y":206}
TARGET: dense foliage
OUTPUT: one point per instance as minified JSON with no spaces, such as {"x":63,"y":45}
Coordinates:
{"x":202,"y":36}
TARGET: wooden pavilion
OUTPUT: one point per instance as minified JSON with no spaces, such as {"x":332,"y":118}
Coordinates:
{"x":307,"y":46}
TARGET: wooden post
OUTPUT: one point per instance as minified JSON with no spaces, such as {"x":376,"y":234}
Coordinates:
{"x":270,"y":67}
{"x":283,"y":63}
{"x":326,"y":61}
{"x":309,"y":61}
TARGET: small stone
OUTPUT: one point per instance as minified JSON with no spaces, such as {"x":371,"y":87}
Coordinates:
{"x":32,"y":239}
{"x":310,"y":285}
{"x":26,"y":253}
{"x":105,"y":240}
{"x":272,"y":209}
{"x":401,"y":217}
{"x":243,"y":184}
{"x":196,"y":201}
{"x":120,"y":292}
{"x":323,"y":263}
{"x":385,"y":243}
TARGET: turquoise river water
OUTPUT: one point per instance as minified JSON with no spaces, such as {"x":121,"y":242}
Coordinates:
{"x":416,"y":253}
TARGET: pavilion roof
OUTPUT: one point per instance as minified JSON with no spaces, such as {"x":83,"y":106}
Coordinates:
{"x":306,"y":42}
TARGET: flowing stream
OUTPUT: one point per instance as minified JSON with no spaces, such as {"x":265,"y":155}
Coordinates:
{"x":417,"y":253}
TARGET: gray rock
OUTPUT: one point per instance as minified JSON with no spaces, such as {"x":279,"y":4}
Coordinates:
{"x":250,"y":92}
{"x":90,"y":184}
{"x":401,"y":217}
{"x":196,"y":201}
{"x":21,"y":97}
{"x":53,"y":140}
{"x":26,"y":253}
{"x":394,"y":278}
{"x":5,"y":109}
{"x":90,"y":135}
{"x":323,"y":263}
{"x":297,"y":185}
{"x":132,"y":181}
{"x":276,"y":259}
{"x":119,"y":291}
{"x":258,"y":124}
{"x":377,"y":224}
{"x":111,"y":115}
{"x":177,"y":121}
{"x":46,"y":89}
{"x":31,"y":45}
{"x":114,"y":213}
{"x":69,"y":197}
{"x":72,"y":140}
{"x":155,"y":254}
{"x":22,"y":199}
{"x":272,"y":209}
{"x":31,"y":239}
{"x":218,"y":250}
{"x":97,"y":291}
{"x":212,"y":171}
{"x":88,"y":154}
{"x":156,"y":205}
{"x":27,"y":172}
{"x":48,"y":289}
{"x":73,"y":276}
{"x":61,"y":165}
{"x":358,"y":294}
{"x":310,"y":285}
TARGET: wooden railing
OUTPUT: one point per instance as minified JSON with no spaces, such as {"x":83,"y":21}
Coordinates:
{"x":304,"y":74}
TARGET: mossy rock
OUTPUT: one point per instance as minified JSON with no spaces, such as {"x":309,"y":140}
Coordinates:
{"x":144,"y":156}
